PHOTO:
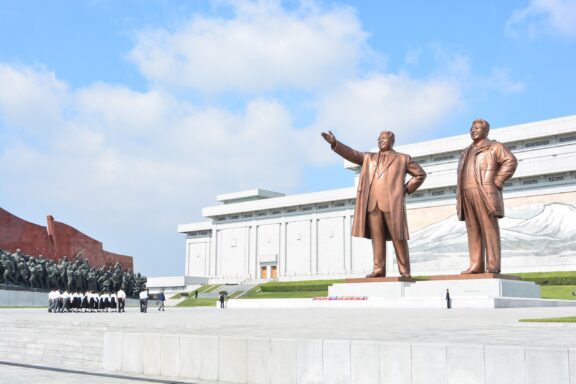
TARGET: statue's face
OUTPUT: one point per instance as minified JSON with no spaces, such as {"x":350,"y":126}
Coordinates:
{"x":478,"y":132}
{"x":385,"y":142}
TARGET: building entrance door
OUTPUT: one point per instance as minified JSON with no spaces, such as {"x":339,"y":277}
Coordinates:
{"x":273,"y":271}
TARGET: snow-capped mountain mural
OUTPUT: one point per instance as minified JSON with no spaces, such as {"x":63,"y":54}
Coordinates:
{"x":532,"y":234}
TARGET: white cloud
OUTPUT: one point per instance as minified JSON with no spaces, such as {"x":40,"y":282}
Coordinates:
{"x":121,"y":150}
{"x":21,"y":87}
{"x":544,"y":17}
{"x":359,"y":110}
{"x":500,"y":80}
{"x":263,"y":47}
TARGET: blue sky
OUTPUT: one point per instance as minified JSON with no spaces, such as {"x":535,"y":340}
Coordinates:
{"x":125,"y":118}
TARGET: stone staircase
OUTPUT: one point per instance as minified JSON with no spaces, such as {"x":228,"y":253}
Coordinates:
{"x":52,"y":343}
{"x":174,"y":302}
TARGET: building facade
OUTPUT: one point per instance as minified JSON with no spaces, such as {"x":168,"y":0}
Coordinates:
{"x":260,"y":234}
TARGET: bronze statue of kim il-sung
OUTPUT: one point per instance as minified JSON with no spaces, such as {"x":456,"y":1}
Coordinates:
{"x":380,"y":212}
{"x":483,"y":168}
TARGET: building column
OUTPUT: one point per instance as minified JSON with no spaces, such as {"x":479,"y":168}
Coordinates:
{"x":214,"y":259}
{"x":347,"y":245}
{"x":314,"y":245}
{"x":282,"y":262}
{"x":253,"y":255}
{"x":187,"y":266}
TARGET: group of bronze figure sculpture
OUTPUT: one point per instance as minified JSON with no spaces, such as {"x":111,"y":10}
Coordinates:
{"x":380,"y":211}
{"x":17,"y":269}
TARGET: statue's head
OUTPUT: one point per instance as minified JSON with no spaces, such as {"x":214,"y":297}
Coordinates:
{"x":386,"y":140}
{"x":479,"y":130}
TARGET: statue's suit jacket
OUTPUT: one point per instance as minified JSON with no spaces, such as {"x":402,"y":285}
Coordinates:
{"x":397,"y":166}
{"x":493,"y":165}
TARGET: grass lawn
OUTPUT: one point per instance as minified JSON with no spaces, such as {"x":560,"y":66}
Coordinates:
{"x":284,"y":295}
{"x":291,"y":289}
{"x":192,"y":302}
{"x":528,"y":275}
{"x":559,"y":292}
{"x":570,"y":319}
{"x":303,"y":282}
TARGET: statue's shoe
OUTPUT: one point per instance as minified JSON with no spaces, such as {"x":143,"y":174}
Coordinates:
{"x":377,"y":274}
{"x":471,"y":271}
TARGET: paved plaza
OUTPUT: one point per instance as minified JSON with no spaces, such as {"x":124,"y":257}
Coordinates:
{"x":492,"y":326}
{"x":455,"y":326}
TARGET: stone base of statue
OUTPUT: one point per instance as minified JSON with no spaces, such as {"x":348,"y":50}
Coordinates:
{"x":485,"y":290}
{"x":478,"y":290}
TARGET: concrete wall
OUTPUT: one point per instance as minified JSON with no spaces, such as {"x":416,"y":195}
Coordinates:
{"x":16,"y":298}
{"x":22,"y":298}
{"x":278,"y":361}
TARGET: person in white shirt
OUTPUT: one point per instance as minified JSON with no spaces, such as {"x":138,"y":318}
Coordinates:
{"x":74,"y":301}
{"x":121,"y":300}
{"x":144,"y":301}
{"x":113,"y":301}
{"x":52,"y":300}
{"x":65,"y":301}
{"x":106,"y":298}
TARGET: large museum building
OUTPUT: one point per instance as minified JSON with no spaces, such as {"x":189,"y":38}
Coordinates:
{"x":259,"y":234}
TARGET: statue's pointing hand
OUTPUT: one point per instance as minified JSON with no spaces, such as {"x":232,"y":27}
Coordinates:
{"x":329,"y":137}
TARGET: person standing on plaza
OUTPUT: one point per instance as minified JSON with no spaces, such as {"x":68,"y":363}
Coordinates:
{"x":448,"y":299}
{"x":53,"y":300}
{"x":121,"y":300}
{"x":161,"y":299}
{"x":484,"y":167}
{"x":144,"y":300}
{"x":380,"y":211}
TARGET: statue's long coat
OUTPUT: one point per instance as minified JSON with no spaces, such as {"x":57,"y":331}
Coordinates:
{"x":397,"y":166}
{"x":493,"y":165}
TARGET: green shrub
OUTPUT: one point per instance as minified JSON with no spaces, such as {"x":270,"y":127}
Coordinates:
{"x":295,"y":288}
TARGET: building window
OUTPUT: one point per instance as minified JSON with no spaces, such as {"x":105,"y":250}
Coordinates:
{"x":421,"y":161}
{"x":277,"y":212}
{"x":511,"y":147}
{"x":437,"y":193}
{"x":340,"y":204}
{"x":308,"y":208}
{"x":323,"y":206}
{"x":221,"y":218}
{"x":234,"y":217}
{"x":444,"y":158}
{"x":416,"y":195}
{"x":508,"y":184}
{"x":528,"y":182}
{"x":567,"y":138}
{"x":291,"y":210}
{"x":537,"y":143}
{"x":247,"y":215}
{"x":556,"y":178}
{"x":261,"y":213}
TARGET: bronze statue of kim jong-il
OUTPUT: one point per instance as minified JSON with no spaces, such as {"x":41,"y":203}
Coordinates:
{"x":380,"y":212}
{"x":483,"y":168}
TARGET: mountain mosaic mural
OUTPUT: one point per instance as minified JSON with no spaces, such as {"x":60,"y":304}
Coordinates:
{"x":532,"y":234}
